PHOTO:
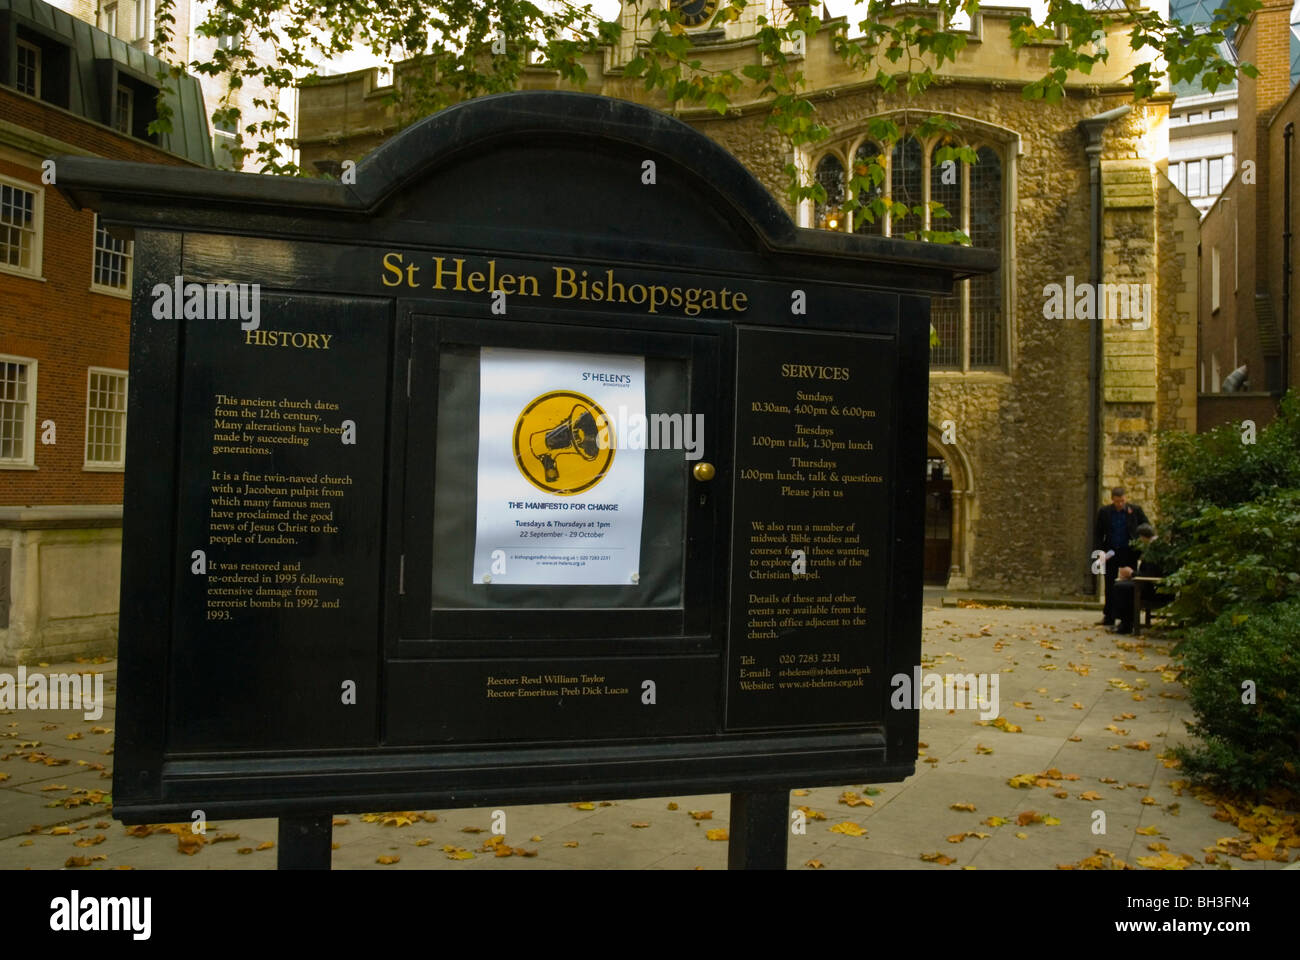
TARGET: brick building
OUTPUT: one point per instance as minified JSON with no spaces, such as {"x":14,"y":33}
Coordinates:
{"x":65,"y":288}
{"x":1246,"y":244}
{"x":1034,"y":413}
{"x":135,"y":22}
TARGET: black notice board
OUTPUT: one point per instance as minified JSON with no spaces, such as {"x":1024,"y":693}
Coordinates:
{"x":287,"y":516}
{"x":339,"y":649}
{"x":812,"y":526}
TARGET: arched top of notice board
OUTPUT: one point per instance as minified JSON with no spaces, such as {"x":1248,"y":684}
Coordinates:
{"x":513,"y":171}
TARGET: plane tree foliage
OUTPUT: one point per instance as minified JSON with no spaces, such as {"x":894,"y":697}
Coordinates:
{"x":446,"y":51}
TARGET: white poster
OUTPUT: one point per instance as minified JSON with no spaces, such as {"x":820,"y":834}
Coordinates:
{"x":559,"y":497}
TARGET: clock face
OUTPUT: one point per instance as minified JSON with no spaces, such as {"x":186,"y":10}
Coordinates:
{"x":695,"y":12}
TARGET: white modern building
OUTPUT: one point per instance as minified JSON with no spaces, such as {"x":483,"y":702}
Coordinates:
{"x":1202,"y":143}
{"x":136,"y":22}
{"x":1203,"y":125}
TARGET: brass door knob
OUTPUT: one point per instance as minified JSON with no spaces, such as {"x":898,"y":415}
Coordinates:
{"x":704,"y":471}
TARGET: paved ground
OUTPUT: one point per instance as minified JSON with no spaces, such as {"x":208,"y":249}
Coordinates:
{"x":1095,"y":713}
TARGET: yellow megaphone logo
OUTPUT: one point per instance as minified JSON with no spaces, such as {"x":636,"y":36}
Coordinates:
{"x":563,"y":443}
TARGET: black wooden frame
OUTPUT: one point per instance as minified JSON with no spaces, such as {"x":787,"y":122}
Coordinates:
{"x":309,"y":237}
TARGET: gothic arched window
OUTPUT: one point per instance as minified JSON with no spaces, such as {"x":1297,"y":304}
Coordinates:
{"x":868,"y":152}
{"x":946,"y":311}
{"x":986,"y":231}
{"x":906,"y":177}
{"x":830,"y":174}
{"x":970,"y":322}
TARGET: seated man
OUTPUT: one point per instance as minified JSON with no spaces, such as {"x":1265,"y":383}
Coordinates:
{"x":1125,"y":586}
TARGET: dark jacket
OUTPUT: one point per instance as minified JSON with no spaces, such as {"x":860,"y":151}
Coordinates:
{"x":1148,"y":568}
{"x":1101,"y":529}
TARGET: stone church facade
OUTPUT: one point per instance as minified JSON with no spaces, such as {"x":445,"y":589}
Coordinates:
{"x":1012,"y":480}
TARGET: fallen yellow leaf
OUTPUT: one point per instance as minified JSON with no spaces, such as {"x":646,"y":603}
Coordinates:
{"x":717,"y":833}
{"x":1163,"y":861}
{"x":391,"y":819}
{"x":938,"y":858}
{"x":849,"y":829}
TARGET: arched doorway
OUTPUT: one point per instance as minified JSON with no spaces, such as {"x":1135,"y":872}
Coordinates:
{"x":938,"y":521}
{"x":949,"y":514}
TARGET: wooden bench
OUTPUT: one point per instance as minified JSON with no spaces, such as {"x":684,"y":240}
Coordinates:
{"x":1139,"y":606}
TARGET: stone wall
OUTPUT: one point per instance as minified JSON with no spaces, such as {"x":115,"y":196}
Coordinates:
{"x":1176,"y":320}
{"x":65,"y":575}
{"x":1024,"y":431}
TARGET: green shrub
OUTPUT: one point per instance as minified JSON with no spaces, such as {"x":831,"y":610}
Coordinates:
{"x":1245,"y":746}
{"x":1233,"y":556}
{"x":1230,"y":522}
{"x":1217,"y":469}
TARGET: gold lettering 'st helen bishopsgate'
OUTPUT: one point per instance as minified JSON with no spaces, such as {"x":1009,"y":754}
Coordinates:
{"x":562,"y":283}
